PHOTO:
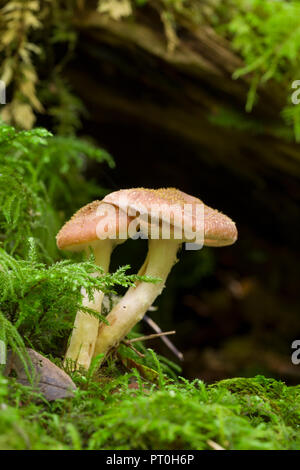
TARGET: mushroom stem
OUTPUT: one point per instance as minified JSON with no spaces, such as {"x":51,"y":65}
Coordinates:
{"x":84,"y":334}
{"x":130,"y":310}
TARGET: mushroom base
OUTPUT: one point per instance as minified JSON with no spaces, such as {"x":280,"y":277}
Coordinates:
{"x":130,"y":310}
{"x":84,"y":334}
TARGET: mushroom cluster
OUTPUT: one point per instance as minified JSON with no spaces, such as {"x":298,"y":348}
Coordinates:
{"x":166,"y":217}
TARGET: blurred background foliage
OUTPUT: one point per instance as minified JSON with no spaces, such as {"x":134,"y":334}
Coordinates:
{"x":186,"y":93}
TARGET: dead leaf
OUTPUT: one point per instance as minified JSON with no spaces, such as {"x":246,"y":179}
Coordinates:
{"x":49,"y":379}
{"x":145,"y":372}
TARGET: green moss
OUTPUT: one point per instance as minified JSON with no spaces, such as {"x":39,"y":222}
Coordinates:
{"x":260,"y":385}
{"x":106,"y":413}
{"x":266,"y":399}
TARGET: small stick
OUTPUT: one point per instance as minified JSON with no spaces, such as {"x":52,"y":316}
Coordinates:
{"x":155,"y":335}
{"x":170,"y":345}
{"x":133,"y":348}
{"x":214,"y":445}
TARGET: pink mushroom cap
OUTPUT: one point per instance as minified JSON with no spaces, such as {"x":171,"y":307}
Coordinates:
{"x":218,"y":229}
{"x":87,"y":226}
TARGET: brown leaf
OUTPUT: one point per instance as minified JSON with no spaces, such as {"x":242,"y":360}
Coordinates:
{"x":49,"y":379}
{"x":146,"y":372}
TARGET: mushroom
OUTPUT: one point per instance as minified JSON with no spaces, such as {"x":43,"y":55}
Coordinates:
{"x":175,"y":217}
{"x":100,"y":227}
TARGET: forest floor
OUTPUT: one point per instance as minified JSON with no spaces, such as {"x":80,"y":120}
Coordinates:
{"x":117,"y":409}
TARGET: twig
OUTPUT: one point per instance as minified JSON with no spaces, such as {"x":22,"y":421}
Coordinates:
{"x":214,"y":445}
{"x":166,"y":340}
{"x":155,"y":335}
{"x":133,"y":348}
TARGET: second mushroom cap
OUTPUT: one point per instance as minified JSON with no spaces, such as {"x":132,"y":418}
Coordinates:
{"x":180,"y":210}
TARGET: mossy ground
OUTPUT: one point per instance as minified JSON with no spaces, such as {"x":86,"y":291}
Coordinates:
{"x":123,"y":411}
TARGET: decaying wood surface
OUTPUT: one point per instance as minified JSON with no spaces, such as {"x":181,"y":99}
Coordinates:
{"x":196,"y":81}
